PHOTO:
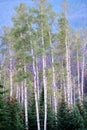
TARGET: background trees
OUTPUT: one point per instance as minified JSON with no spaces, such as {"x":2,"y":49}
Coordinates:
{"x":43,"y":70}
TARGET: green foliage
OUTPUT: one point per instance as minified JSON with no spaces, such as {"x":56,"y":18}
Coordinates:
{"x":11,"y":115}
{"x":83,"y":112}
{"x":69,"y":119}
{"x":30,"y":25}
{"x":32,"y":117}
{"x":75,"y":119}
{"x":51,"y":124}
{"x":15,"y":115}
{"x":32,"y":114}
{"x":2,"y":112}
{"x":42,"y":109}
{"x":50,"y":114}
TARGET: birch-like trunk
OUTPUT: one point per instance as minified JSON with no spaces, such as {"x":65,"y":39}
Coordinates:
{"x":11,"y":81}
{"x":82,"y":85}
{"x":25,"y":99}
{"x":17,"y":91}
{"x":36,"y":91}
{"x":74,"y":94}
{"x":68,"y":71}
{"x":71,"y":101}
{"x":64,"y":83}
{"x":44,"y":79}
{"x":42,"y":7}
{"x":37,"y":76}
{"x":78,"y":74}
{"x":53,"y":76}
{"x":19,"y":94}
{"x":35,"y":83}
{"x":22,"y":93}
{"x":65,"y":91}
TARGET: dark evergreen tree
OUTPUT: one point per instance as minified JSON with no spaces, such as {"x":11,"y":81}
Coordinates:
{"x":69,"y":118}
{"x":32,"y":115}
{"x":2,"y":111}
{"x":15,"y":115}
{"x":83,"y":112}
{"x":50,"y":115}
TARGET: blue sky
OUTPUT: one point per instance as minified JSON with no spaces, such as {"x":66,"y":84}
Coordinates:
{"x":77,"y":11}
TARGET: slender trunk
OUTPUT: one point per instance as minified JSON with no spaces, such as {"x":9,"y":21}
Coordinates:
{"x":11,"y":81}
{"x":25,"y":93}
{"x":36,"y":91}
{"x":78,"y":72}
{"x":35,"y":83}
{"x":44,"y":80}
{"x":42,"y":7}
{"x":64,"y":83}
{"x":67,"y":70}
{"x":19,"y":94}
{"x":17,"y":91}
{"x":37,"y":75}
{"x":22,"y":93}
{"x":25,"y":99}
{"x":4,"y":86}
{"x":82,"y":85}
{"x":71,"y":102}
{"x":53,"y":76}
{"x":65,"y":91}
{"x":74,"y":101}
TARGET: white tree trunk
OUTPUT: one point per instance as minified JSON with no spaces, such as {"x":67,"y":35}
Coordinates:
{"x":35,"y":83}
{"x":71,"y":101}
{"x":17,"y":91}
{"x":82,"y":85}
{"x":37,"y":75}
{"x":36,"y":91}
{"x":25,"y":99}
{"x":11,"y":81}
{"x":64,"y":82}
{"x":74,"y":94}
{"x":78,"y":74}
{"x":19,"y":94}
{"x":44,"y":80}
{"x":68,"y":71}
{"x":22,"y":93}
{"x":53,"y":76}
{"x":65,"y":91}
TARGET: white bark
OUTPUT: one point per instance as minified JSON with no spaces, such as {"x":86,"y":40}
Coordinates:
{"x":25,"y":99}
{"x":65,"y":91}
{"x":22,"y":93}
{"x":37,"y":75}
{"x":19,"y":94}
{"x":36,"y":91}
{"x":44,"y":80}
{"x":53,"y":76}
{"x":74,"y":99}
{"x":11,"y":81}
{"x":35,"y":84}
{"x":17,"y":91}
{"x":71,"y":102}
{"x":78,"y":74}
{"x":64,"y":83}
{"x":41,"y":7}
{"x":67,"y":70}
{"x":82,"y":85}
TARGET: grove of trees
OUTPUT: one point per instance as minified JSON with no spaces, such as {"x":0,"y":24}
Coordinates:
{"x":42,"y":71}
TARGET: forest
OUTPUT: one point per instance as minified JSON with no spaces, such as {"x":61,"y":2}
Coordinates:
{"x":43,"y":70}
